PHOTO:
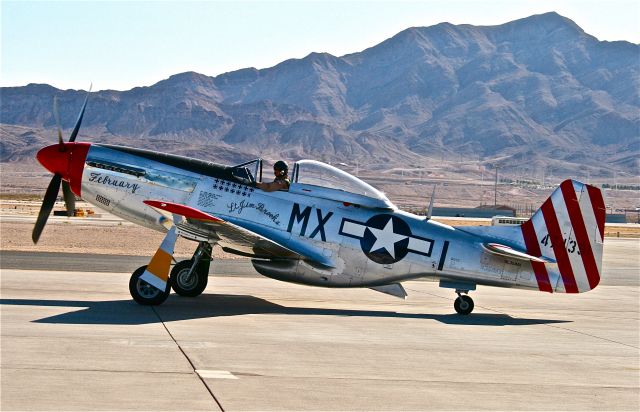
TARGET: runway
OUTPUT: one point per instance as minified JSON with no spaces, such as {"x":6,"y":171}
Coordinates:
{"x":618,"y":253}
{"x":74,"y":340}
{"x":106,"y":263}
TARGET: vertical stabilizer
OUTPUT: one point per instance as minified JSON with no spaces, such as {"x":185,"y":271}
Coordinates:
{"x":568,"y":228}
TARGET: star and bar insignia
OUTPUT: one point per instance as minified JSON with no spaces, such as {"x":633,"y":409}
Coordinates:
{"x":385,"y":238}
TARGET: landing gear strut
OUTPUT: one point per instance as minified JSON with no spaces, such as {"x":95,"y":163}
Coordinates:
{"x":463,"y":303}
{"x":189,"y":277}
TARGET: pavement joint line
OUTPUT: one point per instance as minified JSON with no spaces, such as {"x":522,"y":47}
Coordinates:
{"x":193,"y":367}
{"x":215,"y":374}
{"x":430,"y":294}
{"x":65,"y":290}
{"x":567,"y":329}
{"x":552,"y":326}
{"x":594,"y":336}
{"x":82,"y":338}
{"x":5,"y":367}
{"x":351,"y":378}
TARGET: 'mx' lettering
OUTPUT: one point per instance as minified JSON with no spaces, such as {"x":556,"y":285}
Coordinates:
{"x":298,"y":216}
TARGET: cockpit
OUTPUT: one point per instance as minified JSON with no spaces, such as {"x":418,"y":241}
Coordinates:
{"x":249,"y":172}
{"x":313,"y":178}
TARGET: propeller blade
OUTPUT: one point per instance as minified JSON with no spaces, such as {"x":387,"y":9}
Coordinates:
{"x":47,"y":205}
{"x":79,"y":121}
{"x":69,"y":198}
{"x":56,"y":114}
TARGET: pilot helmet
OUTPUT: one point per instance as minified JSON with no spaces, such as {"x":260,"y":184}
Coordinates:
{"x":282,"y":167}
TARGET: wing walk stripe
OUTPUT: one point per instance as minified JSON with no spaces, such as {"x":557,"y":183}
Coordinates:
{"x":533,"y":248}
{"x":599,"y":210}
{"x":559,"y":249}
{"x":580,"y":231}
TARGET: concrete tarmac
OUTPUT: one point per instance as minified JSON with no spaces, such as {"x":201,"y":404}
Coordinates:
{"x":76,"y":341}
{"x":618,"y":252}
{"x":106,"y":263}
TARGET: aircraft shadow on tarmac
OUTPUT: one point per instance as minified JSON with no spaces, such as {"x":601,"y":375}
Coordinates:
{"x":127,"y":312}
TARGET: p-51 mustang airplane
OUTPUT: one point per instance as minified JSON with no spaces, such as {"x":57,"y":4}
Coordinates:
{"x":330,"y":229}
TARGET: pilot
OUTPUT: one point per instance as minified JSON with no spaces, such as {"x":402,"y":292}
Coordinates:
{"x":281,"y":182}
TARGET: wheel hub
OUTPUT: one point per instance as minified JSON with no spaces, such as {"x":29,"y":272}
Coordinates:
{"x":146,"y":290}
{"x":185,"y":280}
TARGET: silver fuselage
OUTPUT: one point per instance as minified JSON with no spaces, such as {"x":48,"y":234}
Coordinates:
{"x":334,"y":234}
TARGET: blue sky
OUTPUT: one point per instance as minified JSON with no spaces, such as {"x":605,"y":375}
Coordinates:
{"x":123,"y":44}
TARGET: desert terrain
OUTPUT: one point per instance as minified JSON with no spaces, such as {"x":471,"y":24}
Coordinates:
{"x":458,"y":184}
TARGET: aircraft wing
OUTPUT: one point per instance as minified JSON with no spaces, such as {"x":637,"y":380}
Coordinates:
{"x":232,"y":238}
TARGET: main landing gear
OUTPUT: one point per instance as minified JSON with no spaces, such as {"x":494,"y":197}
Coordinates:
{"x":463,"y":303}
{"x":188,"y":278}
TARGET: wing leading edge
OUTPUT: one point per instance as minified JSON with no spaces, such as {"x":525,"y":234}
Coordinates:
{"x":230,"y":236}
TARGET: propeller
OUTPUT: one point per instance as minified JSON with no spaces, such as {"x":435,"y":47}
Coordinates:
{"x":69,"y":197}
{"x":53,"y":189}
{"x":47,"y":205}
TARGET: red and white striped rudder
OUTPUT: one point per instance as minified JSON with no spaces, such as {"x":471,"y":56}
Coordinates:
{"x":569,"y":229}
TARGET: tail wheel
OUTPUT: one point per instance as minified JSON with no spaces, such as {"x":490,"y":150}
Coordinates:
{"x":144,"y":293}
{"x":185,"y":284}
{"x":463,"y":304}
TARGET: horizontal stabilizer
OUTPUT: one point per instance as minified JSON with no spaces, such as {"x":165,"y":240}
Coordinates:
{"x":502,"y":250}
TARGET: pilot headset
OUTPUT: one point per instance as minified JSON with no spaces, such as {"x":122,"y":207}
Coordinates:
{"x":280,"y":168}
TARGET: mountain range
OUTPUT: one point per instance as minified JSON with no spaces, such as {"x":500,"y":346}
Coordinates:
{"x":530,"y":93}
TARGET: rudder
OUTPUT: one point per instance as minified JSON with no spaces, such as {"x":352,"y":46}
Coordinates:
{"x":568,"y":228}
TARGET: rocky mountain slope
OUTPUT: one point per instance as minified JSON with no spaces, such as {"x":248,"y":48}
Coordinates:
{"x":530,"y":93}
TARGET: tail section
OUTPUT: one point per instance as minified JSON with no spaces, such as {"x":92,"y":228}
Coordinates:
{"x":568,"y":228}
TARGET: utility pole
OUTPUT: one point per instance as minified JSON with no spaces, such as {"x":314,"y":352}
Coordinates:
{"x":495,"y":190}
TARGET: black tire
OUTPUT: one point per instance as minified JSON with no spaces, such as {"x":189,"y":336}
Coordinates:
{"x":188,"y":286}
{"x":463,"y":305}
{"x":144,"y":293}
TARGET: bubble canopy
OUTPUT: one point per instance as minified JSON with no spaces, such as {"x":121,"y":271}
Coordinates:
{"x":321,"y":175}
